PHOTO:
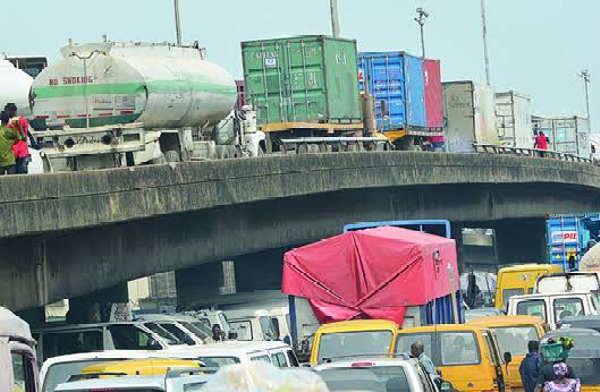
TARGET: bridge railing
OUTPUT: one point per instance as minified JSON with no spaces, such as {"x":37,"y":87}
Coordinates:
{"x":529,"y":152}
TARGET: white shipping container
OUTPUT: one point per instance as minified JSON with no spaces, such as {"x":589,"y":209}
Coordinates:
{"x":570,"y":135}
{"x":469,"y":113}
{"x":513,"y":119}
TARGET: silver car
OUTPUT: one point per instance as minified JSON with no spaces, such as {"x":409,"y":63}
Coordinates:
{"x":377,"y":375}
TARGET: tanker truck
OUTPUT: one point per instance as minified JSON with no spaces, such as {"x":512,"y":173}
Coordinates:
{"x":14,"y":86}
{"x":112,"y":104}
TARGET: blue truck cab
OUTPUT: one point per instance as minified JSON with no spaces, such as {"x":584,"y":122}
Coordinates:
{"x":570,"y":236}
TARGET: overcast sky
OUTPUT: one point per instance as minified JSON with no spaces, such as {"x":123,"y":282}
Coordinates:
{"x":537,"y":47}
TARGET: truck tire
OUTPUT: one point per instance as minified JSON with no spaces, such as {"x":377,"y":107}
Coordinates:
{"x":172,"y":156}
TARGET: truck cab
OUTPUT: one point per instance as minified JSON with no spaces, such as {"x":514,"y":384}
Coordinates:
{"x":17,"y":355}
{"x":552,"y":308}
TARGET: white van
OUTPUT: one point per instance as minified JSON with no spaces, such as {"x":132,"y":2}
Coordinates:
{"x":81,"y":338}
{"x":17,"y":355}
{"x":251,"y":324}
{"x":553,"y":307}
{"x":211,"y":317}
{"x":230,"y":353}
{"x":187,"y":329}
{"x":568,"y":282}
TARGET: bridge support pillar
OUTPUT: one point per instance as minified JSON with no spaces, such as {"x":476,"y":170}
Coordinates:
{"x":96,"y":306}
{"x":457,"y":235}
{"x":521,"y":241}
{"x":196,"y":283}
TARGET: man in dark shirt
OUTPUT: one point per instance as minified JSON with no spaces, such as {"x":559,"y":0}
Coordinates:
{"x":531,"y":366}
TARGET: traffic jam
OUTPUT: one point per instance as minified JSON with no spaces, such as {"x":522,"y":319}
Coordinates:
{"x":407,"y":322}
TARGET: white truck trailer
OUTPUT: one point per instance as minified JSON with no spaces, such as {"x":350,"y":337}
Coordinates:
{"x":112,"y":104}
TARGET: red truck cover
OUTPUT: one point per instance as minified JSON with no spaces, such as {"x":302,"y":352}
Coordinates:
{"x":373,"y":273}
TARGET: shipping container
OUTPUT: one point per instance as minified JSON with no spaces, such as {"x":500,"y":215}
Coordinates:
{"x":433,"y":94}
{"x":570,"y":236}
{"x":513,"y":119}
{"x":310,"y":79}
{"x":569,"y":135}
{"x":397,"y":83}
{"x":469,"y":113}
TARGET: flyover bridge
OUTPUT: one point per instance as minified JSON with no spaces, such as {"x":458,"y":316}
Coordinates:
{"x":68,"y":234}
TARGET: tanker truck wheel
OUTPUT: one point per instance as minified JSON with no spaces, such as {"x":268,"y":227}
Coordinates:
{"x":172,"y":156}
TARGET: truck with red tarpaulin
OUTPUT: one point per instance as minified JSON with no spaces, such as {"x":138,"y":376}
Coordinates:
{"x":389,"y":273}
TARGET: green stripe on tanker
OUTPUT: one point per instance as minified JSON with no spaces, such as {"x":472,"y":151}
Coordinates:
{"x":163,"y":86}
{"x":303,"y":79}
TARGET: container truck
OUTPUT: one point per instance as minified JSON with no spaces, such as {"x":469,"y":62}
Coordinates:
{"x":513,"y":119}
{"x":391,"y":284}
{"x":407,"y":95}
{"x":570,"y":135}
{"x":570,"y":236}
{"x":469,"y":111}
{"x":109,"y":104}
{"x":305,"y":91}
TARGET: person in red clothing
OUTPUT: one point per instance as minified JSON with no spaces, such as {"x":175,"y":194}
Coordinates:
{"x":541,"y":142}
{"x":20,"y":148}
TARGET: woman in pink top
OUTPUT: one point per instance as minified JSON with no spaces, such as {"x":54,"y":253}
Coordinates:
{"x":562,"y":383}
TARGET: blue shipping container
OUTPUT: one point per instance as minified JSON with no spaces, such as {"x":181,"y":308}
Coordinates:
{"x":396,"y":79}
{"x":570,"y":236}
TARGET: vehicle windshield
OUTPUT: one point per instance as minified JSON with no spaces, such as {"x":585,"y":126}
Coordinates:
{"x":586,"y":369}
{"x":163,"y":333}
{"x":197,"y":329}
{"x":132,"y":337}
{"x":243,"y":329}
{"x":266,"y":326}
{"x":175,"y":330}
{"x":514,"y":339}
{"x":376,"y":378}
{"x":346,"y":344}
{"x":61,"y":372}
{"x":213,"y":362}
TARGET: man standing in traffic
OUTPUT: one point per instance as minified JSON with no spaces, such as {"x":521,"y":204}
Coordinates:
{"x":20,"y":148}
{"x":217,"y":335}
{"x":531,"y":366}
{"x":417,"y":349}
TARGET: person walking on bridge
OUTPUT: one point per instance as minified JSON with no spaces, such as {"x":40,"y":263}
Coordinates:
{"x":20,"y":148}
{"x":541,"y":142}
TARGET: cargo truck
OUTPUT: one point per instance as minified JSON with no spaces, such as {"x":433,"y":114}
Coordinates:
{"x":305,"y":91}
{"x":15,"y":86}
{"x":391,"y":285}
{"x":112,"y":104}
{"x":407,"y":95}
{"x":570,"y":236}
{"x":570,"y":135}
{"x":513,"y":119}
{"x":469,"y":111}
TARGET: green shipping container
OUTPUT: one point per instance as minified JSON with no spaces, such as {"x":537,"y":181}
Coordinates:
{"x":302,"y":79}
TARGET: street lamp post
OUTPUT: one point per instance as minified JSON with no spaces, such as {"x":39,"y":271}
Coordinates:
{"x":421,"y":18}
{"x":485,"y":44}
{"x":585,"y":75}
{"x":177,"y":22}
{"x":335,"y":21}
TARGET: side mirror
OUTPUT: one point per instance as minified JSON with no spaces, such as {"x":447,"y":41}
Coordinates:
{"x":439,"y":372}
{"x":232,"y":336}
{"x":507,"y":357}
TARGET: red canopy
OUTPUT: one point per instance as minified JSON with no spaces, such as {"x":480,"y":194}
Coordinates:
{"x":372,"y":273}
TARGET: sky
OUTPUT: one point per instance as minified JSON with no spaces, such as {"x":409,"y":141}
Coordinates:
{"x":537,"y":47}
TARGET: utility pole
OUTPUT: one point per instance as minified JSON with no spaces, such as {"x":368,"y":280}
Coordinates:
{"x":485,"y":44}
{"x":585,"y":75}
{"x":335,"y":21}
{"x":421,"y":18}
{"x":177,"y":22}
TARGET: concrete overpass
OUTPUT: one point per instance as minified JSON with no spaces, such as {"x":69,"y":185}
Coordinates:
{"x":67,"y":234}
